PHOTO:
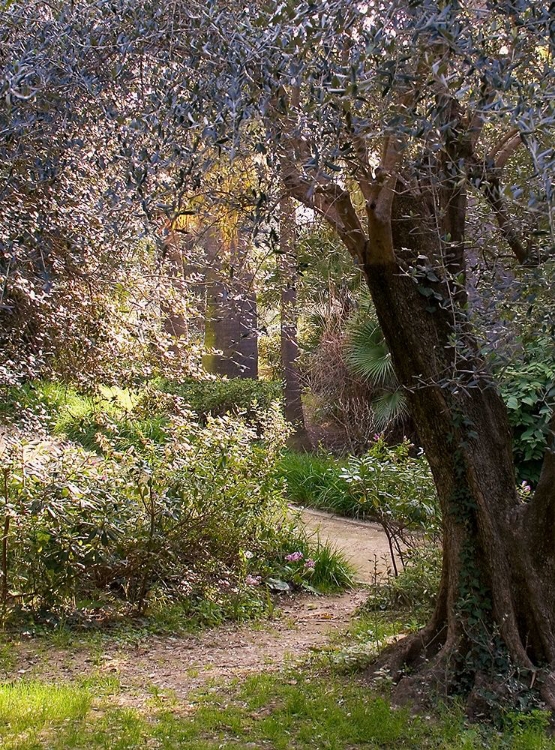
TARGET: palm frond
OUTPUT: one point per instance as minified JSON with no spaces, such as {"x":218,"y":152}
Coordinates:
{"x":367,"y":355}
{"x":389,"y":407}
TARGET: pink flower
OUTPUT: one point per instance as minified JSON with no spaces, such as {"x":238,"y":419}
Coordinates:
{"x":294,"y":557}
{"x":253,"y":580}
{"x":310,"y":563}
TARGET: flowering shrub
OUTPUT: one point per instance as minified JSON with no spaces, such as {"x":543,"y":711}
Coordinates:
{"x":174,"y":520}
{"x":294,"y":557}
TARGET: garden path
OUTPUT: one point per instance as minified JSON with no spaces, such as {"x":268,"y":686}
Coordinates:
{"x":172,"y":666}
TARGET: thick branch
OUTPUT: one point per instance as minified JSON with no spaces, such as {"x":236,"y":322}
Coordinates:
{"x":504,"y":148}
{"x":478,"y":121}
{"x":320,"y":193}
{"x":492,"y":192}
{"x":334,"y":204}
{"x":383,"y":189}
{"x":452,"y":192}
{"x":490,"y":182}
{"x":379,"y":206}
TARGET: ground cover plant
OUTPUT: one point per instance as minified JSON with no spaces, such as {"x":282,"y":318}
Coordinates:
{"x":314,"y":480}
{"x":67,"y":411}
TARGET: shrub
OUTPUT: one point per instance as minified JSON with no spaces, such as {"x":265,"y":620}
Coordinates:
{"x":137,"y":415}
{"x":218,"y":397}
{"x":172,"y":518}
{"x":44,"y":406}
{"x":388,"y":483}
{"x":176,"y":521}
{"x":415,"y":588}
{"x":398,"y":491}
{"x":529,"y":392}
{"x":40,"y":403}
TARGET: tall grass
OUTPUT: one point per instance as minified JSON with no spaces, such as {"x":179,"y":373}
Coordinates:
{"x":314,"y":480}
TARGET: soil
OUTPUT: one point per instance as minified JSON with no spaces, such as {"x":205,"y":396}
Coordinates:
{"x":364,"y":544}
{"x":179,"y":664}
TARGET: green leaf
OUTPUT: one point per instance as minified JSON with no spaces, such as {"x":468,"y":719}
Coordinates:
{"x":276,"y":584}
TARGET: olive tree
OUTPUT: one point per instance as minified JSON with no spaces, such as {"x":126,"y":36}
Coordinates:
{"x":408,"y":114}
{"x":396,"y":123}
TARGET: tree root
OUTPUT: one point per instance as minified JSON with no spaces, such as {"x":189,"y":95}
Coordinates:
{"x":547,"y":690}
{"x":431,"y":664}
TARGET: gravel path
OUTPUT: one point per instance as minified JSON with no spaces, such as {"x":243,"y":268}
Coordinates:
{"x":179,"y":664}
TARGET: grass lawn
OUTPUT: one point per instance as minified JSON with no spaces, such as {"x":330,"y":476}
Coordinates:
{"x":313,"y":707}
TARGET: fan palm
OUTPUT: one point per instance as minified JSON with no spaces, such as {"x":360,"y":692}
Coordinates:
{"x":367,"y":355}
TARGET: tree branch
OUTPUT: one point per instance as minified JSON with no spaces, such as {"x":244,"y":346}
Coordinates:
{"x":504,"y":147}
{"x":380,"y":203}
{"x":489,"y":175}
{"x":332,"y":203}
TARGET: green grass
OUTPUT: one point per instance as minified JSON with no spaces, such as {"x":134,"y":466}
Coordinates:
{"x":303,"y":709}
{"x":66,"y":412}
{"x":314,"y":480}
{"x":31,"y":710}
{"x":69,"y":413}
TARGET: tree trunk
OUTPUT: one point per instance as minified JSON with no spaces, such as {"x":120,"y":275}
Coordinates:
{"x":175,"y":323}
{"x":493,"y":628}
{"x":292,"y":390}
{"x":494,"y":623}
{"x":231,"y":313}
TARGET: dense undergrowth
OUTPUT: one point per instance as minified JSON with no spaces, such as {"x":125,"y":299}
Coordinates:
{"x":386,"y":484}
{"x":138,"y":504}
{"x":362,"y":487}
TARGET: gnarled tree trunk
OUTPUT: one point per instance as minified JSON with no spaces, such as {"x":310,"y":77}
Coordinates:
{"x":494,"y":622}
{"x":493,"y":628}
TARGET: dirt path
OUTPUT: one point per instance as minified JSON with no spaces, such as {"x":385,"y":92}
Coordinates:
{"x":364,"y":544}
{"x":179,"y":664}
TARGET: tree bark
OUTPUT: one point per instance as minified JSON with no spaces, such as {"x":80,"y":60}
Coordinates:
{"x":494,"y":625}
{"x":292,"y":389}
{"x":231,"y":313}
